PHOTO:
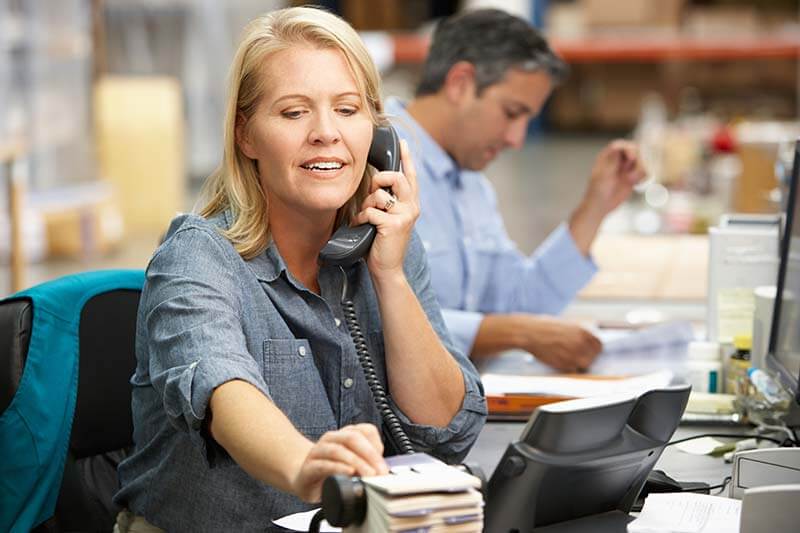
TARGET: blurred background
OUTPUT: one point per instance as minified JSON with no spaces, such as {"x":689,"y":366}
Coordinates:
{"x":111,"y":113}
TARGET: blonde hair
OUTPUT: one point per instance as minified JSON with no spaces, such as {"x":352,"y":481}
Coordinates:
{"x":235,"y":184}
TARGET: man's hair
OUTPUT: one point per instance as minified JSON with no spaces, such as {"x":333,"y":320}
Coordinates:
{"x":494,"y":42}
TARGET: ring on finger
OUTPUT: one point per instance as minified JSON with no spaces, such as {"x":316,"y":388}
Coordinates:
{"x":389,"y":203}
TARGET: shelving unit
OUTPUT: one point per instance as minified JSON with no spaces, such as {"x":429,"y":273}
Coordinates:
{"x":45,"y":87}
{"x":11,"y":151}
{"x":411,"y":48}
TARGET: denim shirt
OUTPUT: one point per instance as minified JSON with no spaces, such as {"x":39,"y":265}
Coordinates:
{"x":475,"y":266}
{"x":206,"y":317}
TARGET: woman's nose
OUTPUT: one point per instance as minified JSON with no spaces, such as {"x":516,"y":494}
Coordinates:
{"x":324,"y":130}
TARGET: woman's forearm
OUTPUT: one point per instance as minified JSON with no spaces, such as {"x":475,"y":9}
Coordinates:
{"x":256,"y":434}
{"x":424,"y":379}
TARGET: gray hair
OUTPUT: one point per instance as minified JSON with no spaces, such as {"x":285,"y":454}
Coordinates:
{"x":494,"y":42}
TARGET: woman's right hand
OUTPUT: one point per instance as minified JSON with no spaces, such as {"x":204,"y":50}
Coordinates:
{"x":352,"y":451}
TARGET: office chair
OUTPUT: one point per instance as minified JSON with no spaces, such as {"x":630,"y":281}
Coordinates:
{"x":66,"y":358}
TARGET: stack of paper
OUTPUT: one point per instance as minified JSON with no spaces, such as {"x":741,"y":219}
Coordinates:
{"x":683,"y":512}
{"x":422,"y":494}
{"x":573,"y":387}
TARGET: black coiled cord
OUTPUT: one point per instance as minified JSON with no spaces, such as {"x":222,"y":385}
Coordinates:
{"x":398,"y":435}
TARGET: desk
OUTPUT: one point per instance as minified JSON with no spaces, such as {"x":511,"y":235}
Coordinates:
{"x":495,"y":437}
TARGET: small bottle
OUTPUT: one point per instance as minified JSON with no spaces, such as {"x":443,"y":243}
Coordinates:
{"x":768,"y":387}
{"x":704,"y":366}
{"x":736,"y":381}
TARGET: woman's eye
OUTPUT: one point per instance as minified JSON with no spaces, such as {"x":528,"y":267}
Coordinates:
{"x":347,"y":111}
{"x":292,"y":114}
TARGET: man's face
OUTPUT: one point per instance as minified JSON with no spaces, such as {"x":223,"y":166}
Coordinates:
{"x":498,"y":118}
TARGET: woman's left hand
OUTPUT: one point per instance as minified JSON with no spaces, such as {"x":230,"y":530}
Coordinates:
{"x":393,"y":214}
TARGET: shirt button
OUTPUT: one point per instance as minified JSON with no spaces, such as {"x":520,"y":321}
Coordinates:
{"x":337,"y":322}
{"x":302,"y":351}
{"x":348,"y":382}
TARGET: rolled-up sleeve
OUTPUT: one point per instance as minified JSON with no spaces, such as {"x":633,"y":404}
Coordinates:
{"x":450,"y":443}
{"x":544,"y":282}
{"x":195,"y":341}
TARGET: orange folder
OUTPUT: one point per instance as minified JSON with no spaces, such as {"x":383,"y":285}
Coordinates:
{"x":520,"y":406}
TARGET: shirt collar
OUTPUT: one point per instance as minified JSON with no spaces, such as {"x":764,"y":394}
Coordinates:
{"x":439,"y":164}
{"x":268,"y":265}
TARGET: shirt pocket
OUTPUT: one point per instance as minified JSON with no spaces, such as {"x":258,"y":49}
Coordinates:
{"x":296,"y":387}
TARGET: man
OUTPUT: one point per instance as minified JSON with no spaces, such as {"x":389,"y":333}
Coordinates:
{"x":487,"y":75}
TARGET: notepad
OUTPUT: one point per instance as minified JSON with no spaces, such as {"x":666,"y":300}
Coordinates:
{"x":684,"y":512}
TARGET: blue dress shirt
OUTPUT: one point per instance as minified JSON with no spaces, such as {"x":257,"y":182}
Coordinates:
{"x":206,"y":317}
{"x":475,"y":267}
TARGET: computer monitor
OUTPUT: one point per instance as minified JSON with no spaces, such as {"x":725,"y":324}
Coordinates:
{"x":783,"y":354}
{"x":581,"y":457}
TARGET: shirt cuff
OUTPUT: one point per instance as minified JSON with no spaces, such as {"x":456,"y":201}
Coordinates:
{"x":463,"y":326}
{"x":194,"y":386}
{"x":564,"y":265}
{"x":453,"y":442}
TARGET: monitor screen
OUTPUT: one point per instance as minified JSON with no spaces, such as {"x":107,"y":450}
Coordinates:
{"x":783,"y":356}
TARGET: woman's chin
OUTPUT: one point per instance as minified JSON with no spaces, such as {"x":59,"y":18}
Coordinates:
{"x":323,"y":207}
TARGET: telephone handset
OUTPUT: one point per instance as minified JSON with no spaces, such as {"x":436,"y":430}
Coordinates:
{"x":347,"y":247}
{"x":344,"y":498}
{"x":349,"y":244}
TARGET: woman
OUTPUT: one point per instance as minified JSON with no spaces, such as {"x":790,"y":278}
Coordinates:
{"x":247,"y":392}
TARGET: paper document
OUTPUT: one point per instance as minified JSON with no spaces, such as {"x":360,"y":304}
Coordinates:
{"x":625,"y":352}
{"x":684,"y":512}
{"x":667,"y":336}
{"x":499,"y":384}
{"x":702,"y":446}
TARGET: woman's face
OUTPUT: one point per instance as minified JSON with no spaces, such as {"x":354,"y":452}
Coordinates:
{"x":310,"y":133}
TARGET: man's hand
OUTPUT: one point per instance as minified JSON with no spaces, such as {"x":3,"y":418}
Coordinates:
{"x":617,"y":169}
{"x":560,"y":344}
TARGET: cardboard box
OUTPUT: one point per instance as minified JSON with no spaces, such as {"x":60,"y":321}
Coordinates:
{"x":139,"y":128}
{"x":605,"y":13}
{"x":80,"y":221}
{"x":719,"y":21}
{"x":604,"y":96}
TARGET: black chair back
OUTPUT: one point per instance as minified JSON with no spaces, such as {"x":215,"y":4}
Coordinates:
{"x":102,"y":428}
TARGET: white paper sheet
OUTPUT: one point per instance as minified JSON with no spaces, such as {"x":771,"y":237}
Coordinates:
{"x":301,"y":522}
{"x":702,"y":446}
{"x":687,"y":513}
{"x":625,"y":352}
{"x":498,"y":384}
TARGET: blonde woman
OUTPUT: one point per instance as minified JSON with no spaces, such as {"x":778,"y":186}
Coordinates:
{"x":248,"y":392}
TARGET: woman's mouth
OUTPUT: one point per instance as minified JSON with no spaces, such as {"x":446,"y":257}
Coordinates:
{"x":323,"y":167}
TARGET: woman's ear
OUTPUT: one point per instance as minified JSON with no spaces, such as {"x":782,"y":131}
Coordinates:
{"x":459,"y":84}
{"x":243,"y":137}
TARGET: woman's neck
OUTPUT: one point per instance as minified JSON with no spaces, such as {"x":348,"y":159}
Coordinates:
{"x":299,"y":238}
